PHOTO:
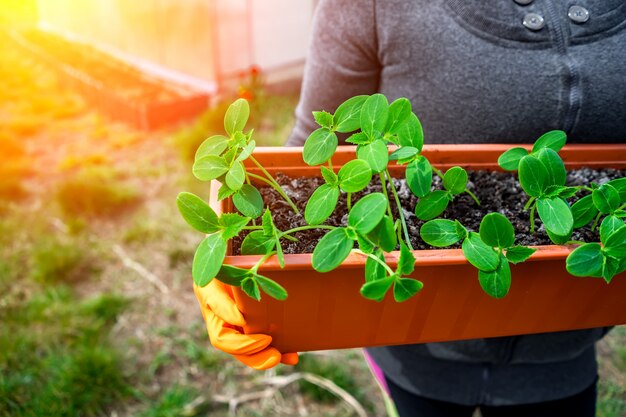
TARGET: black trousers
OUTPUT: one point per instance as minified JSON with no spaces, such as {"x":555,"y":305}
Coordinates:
{"x":408,"y":404}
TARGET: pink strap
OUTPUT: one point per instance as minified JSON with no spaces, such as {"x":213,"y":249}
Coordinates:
{"x":376,"y":371}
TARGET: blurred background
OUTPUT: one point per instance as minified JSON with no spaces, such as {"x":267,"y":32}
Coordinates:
{"x":102,"y":106}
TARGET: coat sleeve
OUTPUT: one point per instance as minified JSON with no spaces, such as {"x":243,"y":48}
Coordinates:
{"x":342,"y":61}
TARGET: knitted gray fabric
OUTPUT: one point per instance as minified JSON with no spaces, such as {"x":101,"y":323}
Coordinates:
{"x":475,"y":74}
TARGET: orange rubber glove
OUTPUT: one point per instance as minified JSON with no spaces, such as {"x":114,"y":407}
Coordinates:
{"x":224,"y":323}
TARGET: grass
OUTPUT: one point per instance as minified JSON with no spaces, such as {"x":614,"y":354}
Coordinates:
{"x":56,"y":358}
{"x":172,"y":403}
{"x":96,"y":192}
{"x":341,"y":374}
{"x":56,"y":261}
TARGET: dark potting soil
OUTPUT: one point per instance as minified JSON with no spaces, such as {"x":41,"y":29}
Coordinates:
{"x":497,"y":192}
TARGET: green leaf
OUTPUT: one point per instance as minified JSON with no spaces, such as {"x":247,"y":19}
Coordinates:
{"x":518,"y":254}
{"x":404,"y":152}
{"x":271,"y":287}
{"x":246,"y":151}
{"x":267,"y":223}
{"x":323,"y":119}
{"x":209,"y":168}
{"x":384,"y":234}
{"x":411,"y":133}
{"x":331,"y":250}
{"x":374,"y":114}
{"x":375,"y":154}
{"x":214,"y":146}
{"x":375,"y":270}
{"x":197,"y":213}
{"x":405,"y":288}
{"x":441,"y":233}
{"x":609,"y":225}
{"x":236,"y":176}
{"x":348,"y":114}
{"x":232,"y":224}
{"x":606,"y":198}
{"x":567,"y":192}
{"x":364,"y":242}
{"x":615,"y":244}
{"x":610,"y":268}
{"x":368,"y":212}
{"x":224,"y":192}
{"x":251,"y":288}
{"x":455,"y":180}
{"x":496,"y":230}
{"x":248,"y":201}
{"x":406,"y":263}
{"x":584,"y":211}
{"x":432,"y":205}
{"x":376,"y":290}
{"x":554,"y":139}
{"x":556,"y":215}
{"x":236,"y":116}
{"x":479,"y":254}
{"x":319,"y":146}
{"x":586,"y":261}
{"x":329,"y":176}
{"x":509,"y":160}
{"x":496,"y":283}
{"x":232,"y":275}
{"x":239,"y":140}
{"x":559,"y":239}
{"x":399,"y":113}
{"x":554,"y":165}
{"x":208,"y":259}
{"x":354,"y":176}
{"x":321,"y":204}
{"x":257,"y":243}
{"x":533,"y":175}
{"x":620,"y":185}
{"x":419,"y":176}
{"x":359,"y":138}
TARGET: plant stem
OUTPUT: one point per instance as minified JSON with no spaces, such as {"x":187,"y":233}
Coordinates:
{"x":260,"y":262}
{"x":399,"y":207}
{"x":439,"y":173}
{"x":595,"y":222}
{"x":301,"y":228}
{"x":532,"y":219}
{"x":471,"y":194}
{"x":384,"y":184}
{"x":274,"y":184}
{"x":330,"y":164}
{"x":528,"y":203}
{"x":575,"y":242}
{"x":349,"y":201}
{"x":253,"y":228}
{"x":248,"y":182}
{"x":369,"y":255}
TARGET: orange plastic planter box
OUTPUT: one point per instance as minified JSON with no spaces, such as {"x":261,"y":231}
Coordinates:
{"x":327,"y":311}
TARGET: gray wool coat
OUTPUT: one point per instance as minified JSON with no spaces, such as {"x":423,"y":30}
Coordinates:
{"x":480,"y":71}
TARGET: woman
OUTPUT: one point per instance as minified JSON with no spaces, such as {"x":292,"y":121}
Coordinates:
{"x":476,"y":72}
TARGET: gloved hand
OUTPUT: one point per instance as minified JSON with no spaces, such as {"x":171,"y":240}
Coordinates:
{"x":224,"y":323}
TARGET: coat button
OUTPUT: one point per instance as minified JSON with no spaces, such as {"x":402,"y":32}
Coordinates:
{"x":578,"y":14}
{"x":523,"y":2}
{"x":533,"y":21}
